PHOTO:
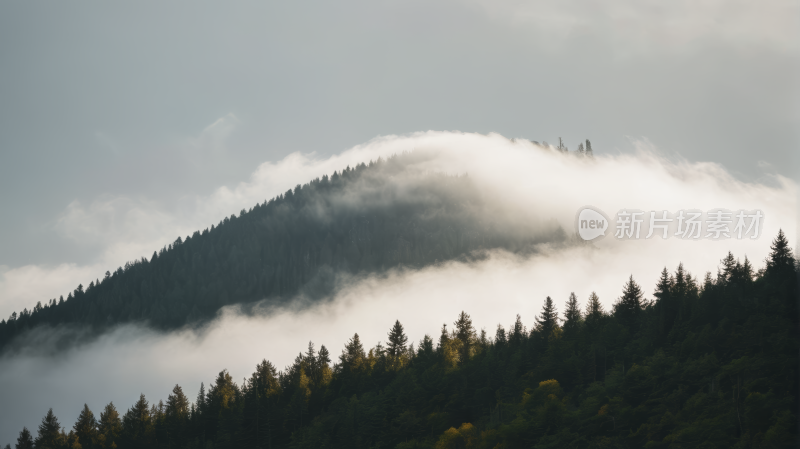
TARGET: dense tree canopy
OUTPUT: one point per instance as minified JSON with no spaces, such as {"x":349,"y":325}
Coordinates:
{"x":363,"y":219}
{"x":711,"y":364}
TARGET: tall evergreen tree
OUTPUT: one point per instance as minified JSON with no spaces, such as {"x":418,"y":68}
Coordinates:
{"x":572,"y":317}
{"x":323,"y":356}
{"x":465,"y":333}
{"x":728,"y":267}
{"x":177,"y":416}
{"x":594,"y":309}
{"x":137,"y":425}
{"x":396,"y":345}
{"x":444,"y":338}
{"x":780,"y":257}
{"x":629,"y":306}
{"x":86,"y":428}
{"x":50,"y":435}
{"x":25,"y":440}
{"x":110,"y":427}
{"x":517,"y":333}
{"x":500,"y":338}
{"x":353,"y":357}
{"x":665,"y":303}
{"x":324,"y":368}
{"x":310,"y":361}
{"x":547,"y":321}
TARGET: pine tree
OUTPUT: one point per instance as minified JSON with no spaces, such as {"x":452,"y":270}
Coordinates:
{"x":589,"y":152}
{"x":396,"y":345}
{"x":323,"y":356}
{"x":781,"y":258}
{"x":547,"y":321}
{"x":110,"y":427}
{"x":25,"y":440}
{"x":561,"y":147}
{"x":426,"y":346}
{"x":86,"y":428}
{"x":665,"y":303}
{"x":137,"y":424}
{"x":517,"y":332}
{"x":500,"y":336}
{"x":200,"y":402}
{"x":310,"y":361}
{"x":323,"y":362}
{"x":663,"y":287}
{"x":49,"y":432}
{"x":594,"y":309}
{"x":729,"y":267}
{"x":177,"y":415}
{"x":466,"y":334}
{"x":353,"y":357}
{"x":444,"y":338}
{"x":572,"y":317}
{"x":629,"y":306}
{"x":177,"y":404}
{"x":746,"y":272}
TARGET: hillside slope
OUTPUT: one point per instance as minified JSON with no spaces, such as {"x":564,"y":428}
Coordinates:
{"x":365,"y":219}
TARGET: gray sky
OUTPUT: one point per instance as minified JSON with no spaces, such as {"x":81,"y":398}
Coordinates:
{"x":107,"y":99}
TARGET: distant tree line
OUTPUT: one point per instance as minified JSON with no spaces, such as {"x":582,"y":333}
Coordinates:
{"x":368,"y":218}
{"x":583,"y":151}
{"x":709,"y":362}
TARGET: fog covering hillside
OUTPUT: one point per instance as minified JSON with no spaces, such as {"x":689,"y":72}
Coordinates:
{"x":708,"y":363}
{"x":364,"y":219}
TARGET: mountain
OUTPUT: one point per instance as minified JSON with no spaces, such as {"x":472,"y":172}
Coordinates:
{"x":365,"y":219}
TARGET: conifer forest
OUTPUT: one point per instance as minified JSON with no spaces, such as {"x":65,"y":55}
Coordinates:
{"x":710,"y":362}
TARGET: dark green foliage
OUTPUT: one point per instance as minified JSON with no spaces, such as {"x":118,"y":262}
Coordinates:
{"x":628,"y":308}
{"x":137,"y":426}
{"x":86,"y":429}
{"x":465,"y":334}
{"x":396,"y":346}
{"x":365,"y":219}
{"x":24,"y":441}
{"x":176,"y":420}
{"x":713,"y":366}
{"x":572,"y":317}
{"x":547,"y":321}
{"x":110,"y":427}
{"x":50,"y":435}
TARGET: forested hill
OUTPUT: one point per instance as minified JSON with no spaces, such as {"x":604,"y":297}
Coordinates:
{"x":707,"y":363}
{"x":363,"y":219}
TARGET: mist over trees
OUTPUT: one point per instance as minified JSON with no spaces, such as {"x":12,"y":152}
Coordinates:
{"x":708,"y":362}
{"x":368,"y":218}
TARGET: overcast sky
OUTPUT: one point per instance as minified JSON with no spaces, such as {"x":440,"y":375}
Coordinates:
{"x":155,"y":101}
